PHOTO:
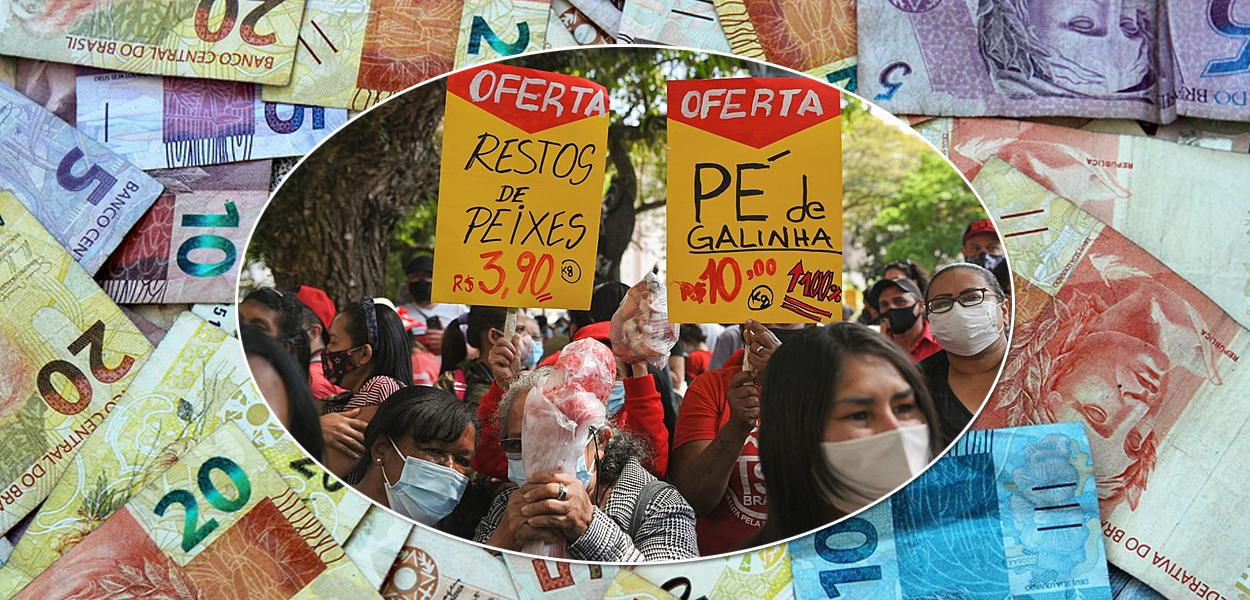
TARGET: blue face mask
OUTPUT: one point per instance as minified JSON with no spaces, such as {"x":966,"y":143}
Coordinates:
{"x":516,"y":469}
{"x":425,"y":492}
{"x":583,"y":472}
{"x":616,"y":399}
{"x":536,"y":354}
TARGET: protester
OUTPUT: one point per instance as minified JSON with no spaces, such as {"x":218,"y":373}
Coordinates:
{"x":281,"y":317}
{"x":901,"y":305}
{"x":436,"y":316}
{"x":982,"y":247}
{"x":634,"y":404}
{"x":969,"y":314}
{"x":470,"y":378}
{"x":613,"y":510}
{"x":418,"y":449}
{"x":368,"y":356}
{"x":532,"y":347}
{"x":844,"y":420}
{"x":907,"y":268}
{"x":425,"y":364}
{"x":319,"y":312}
{"x":283,"y":387}
{"x":715,"y":462}
{"x":697,"y":355}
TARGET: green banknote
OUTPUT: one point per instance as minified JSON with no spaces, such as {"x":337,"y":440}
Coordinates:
{"x":195,"y":382}
{"x":218,"y":523}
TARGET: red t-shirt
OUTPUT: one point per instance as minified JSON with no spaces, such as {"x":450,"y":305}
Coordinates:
{"x":742,"y":511}
{"x":696,"y":363}
{"x":926,"y":346}
{"x":425,"y":367}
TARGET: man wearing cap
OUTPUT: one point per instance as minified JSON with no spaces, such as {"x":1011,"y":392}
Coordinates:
{"x":436,"y":316}
{"x":982,"y":247}
{"x":901,"y":306}
{"x":319,"y":312}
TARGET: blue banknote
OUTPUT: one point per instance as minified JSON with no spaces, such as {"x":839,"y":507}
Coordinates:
{"x":1008,"y":513}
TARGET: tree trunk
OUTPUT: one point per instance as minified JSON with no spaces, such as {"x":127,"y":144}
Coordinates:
{"x":330,"y":224}
{"x":616,"y":227}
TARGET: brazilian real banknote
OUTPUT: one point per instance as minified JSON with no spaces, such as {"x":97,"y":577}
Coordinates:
{"x":69,"y":354}
{"x":213,"y":39}
{"x":87,"y":196}
{"x":688,"y":23}
{"x":1107,"y":334}
{"x":1140,"y":59}
{"x":763,"y":574}
{"x":195,"y":383}
{"x":1009,"y":513}
{"x":815,"y":36}
{"x":167,"y":122}
{"x":189,"y":245}
{"x":356,"y":53}
{"x":218,"y":522}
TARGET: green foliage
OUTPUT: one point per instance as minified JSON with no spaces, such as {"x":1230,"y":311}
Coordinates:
{"x":925,"y":219}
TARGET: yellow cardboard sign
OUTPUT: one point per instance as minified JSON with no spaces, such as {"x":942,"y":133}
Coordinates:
{"x":754,"y":201}
{"x":521,"y":188}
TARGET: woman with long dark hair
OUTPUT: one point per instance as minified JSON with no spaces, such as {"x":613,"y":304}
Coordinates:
{"x":418,"y":448}
{"x":368,"y":355}
{"x":844,"y":420}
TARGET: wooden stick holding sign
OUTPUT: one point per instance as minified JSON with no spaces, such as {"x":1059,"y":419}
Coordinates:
{"x":520,"y":190}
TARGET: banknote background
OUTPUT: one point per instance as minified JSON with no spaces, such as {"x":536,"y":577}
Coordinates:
{"x":1122,"y":196}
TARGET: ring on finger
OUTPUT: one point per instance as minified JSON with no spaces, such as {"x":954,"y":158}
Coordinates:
{"x":564,"y":493}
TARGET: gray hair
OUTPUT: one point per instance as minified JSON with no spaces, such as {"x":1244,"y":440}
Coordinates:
{"x":523,"y":384}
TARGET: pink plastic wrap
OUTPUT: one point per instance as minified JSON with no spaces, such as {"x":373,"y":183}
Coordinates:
{"x":559,"y":413}
{"x":640,"y":328}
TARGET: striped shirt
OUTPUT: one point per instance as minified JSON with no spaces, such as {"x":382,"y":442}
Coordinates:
{"x":666,"y":532}
{"x":375,"y":391}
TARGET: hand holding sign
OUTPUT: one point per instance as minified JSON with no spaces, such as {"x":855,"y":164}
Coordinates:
{"x":521,"y":183}
{"x":754,"y":200}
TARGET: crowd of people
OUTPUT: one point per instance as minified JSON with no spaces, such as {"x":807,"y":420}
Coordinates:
{"x":423,"y":407}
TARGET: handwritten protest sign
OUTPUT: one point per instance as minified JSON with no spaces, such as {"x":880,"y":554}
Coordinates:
{"x":521,"y":188}
{"x":754,"y":201}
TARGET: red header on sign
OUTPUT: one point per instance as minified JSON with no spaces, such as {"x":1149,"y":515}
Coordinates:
{"x":755,"y":111}
{"x":530,"y":99}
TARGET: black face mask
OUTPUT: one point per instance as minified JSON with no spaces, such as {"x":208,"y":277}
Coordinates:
{"x":421,"y":291}
{"x":901,"y":319}
{"x":985,"y":260}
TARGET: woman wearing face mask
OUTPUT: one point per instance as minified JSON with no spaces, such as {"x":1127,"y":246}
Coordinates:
{"x":611,"y":510}
{"x":968,"y":313}
{"x":844,"y":421}
{"x":419,"y":446}
{"x":368,"y":356}
{"x":633,"y":405}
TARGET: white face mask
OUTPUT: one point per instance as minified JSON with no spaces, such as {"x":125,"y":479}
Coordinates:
{"x":425,"y":492}
{"x":967,"y":330}
{"x":871,"y":467}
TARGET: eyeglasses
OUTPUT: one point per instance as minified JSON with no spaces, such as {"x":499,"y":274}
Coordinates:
{"x":510,"y":445}
{"x":969,"y":297}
